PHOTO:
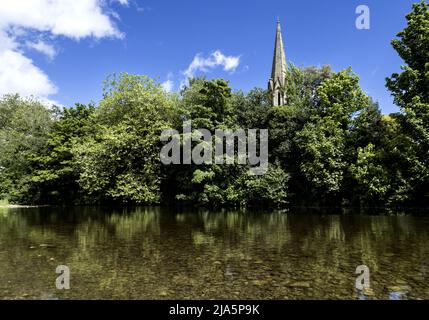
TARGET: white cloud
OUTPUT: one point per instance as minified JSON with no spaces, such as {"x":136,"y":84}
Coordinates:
{"x":18,"y":74}
{"x":216,"y":59}
{"x":23,"y":21}
{"x":168,"y":85}
{"x":70,"y":18}
{"x":43,"y":47}
{"x":123,"y":2}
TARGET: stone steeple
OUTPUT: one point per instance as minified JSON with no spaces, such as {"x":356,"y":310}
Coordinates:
{"x":278,"y":73}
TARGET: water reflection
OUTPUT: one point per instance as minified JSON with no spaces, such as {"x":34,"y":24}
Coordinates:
{"x":153,"y":253}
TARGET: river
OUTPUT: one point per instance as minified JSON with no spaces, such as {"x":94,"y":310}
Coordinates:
{"x":158,"y":253}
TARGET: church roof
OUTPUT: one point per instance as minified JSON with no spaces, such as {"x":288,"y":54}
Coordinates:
{"x":279,"y":61}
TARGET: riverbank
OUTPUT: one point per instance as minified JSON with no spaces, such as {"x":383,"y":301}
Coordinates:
{"x":4,"y":204}
{"x":14,"y":206}
{"x":330,"y":210}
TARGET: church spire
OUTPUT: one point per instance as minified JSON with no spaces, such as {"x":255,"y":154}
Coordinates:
{"x":279,"y":69}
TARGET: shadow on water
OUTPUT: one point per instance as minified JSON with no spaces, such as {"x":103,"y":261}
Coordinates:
{"x":159,"y":253}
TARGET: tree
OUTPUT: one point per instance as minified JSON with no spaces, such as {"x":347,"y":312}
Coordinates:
{"x":301,"y":84}
{"x":313,"y":138}
{"x":269,"y":190}
{"x":55,"y":174}
{"x":410,"y":90}
{"x":251,"y":108}
{"x":286,"y":122}
{"x":120,"y":161}
{"x":411,"y":86}
{"x":322,"y":144}
{"x":207,"y":104}
{"x":371,"y":175}
{"x":24,"y":128}
{"x":212,"y":105}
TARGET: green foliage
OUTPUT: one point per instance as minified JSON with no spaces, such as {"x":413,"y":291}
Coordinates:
{"x":223,"y":185}
{"x":340,"y":98}
{"x":329,"y":144}
{"x":412,"y":46}
{"x":55,"y":174}
{"x":285,"y":122}
{"x":411,"y":92}
{"x":370,"y":173}
{"x":207,"y":104}
{"x":301,"y":85}
{"x":119,"y":161}
{"x":24,"y":128}
{"x":250,"y":109}
{"x":322,"y":146}
{"x":267,"y":190}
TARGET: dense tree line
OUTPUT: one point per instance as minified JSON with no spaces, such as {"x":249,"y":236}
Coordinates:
{"x":329,"y":145}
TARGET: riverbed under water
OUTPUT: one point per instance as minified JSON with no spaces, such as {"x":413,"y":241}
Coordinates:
{"x":155,"y":253}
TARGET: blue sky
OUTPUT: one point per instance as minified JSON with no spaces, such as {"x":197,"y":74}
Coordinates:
{"x":66,"y":58}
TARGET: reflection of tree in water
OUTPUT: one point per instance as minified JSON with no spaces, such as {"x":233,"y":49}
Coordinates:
{"x":320,"y":251}
{"x":160,"y":253}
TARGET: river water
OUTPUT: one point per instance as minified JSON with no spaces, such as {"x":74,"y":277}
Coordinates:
{"x":154,"y":253}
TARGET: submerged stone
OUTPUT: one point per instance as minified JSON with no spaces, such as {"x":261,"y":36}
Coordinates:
{"x":300,"y":284}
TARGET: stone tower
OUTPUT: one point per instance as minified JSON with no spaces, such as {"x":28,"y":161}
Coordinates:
{"x":278,"y":73}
